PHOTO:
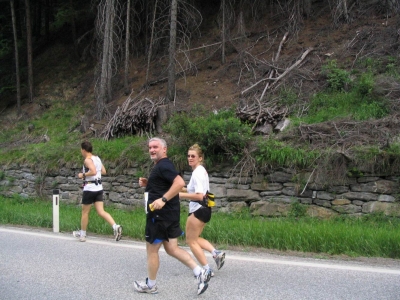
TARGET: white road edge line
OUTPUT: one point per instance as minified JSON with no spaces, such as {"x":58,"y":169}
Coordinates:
{"x":142,"y":246}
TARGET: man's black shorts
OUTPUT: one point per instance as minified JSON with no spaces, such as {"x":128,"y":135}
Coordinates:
{"x":203,"y":214}
{"x":92,"y":197}
{"x":160,"y":230}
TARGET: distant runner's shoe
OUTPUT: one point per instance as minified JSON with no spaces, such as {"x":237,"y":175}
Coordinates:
{"x":77,"y":234}
{"x":142,"y":287}
{"x":118,"y":233}
{"x":219,"y":259}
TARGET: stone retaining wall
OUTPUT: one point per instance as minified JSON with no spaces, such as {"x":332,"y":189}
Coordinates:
{"x":268,"y":195}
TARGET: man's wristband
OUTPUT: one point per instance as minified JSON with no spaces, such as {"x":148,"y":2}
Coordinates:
{"x":164,"y":199}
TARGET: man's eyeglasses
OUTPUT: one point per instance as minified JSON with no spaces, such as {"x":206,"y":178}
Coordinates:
{"x":191,"y":156}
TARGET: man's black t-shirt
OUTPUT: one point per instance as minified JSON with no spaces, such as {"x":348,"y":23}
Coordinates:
{"x":159,"y":182}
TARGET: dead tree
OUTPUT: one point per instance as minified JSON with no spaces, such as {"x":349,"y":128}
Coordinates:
{"x":168,"y":31}
{"x":108,"y":28}
{"x":14,"y":26}
{"x":223,"y":33}
{"x":172,"y":52}
{"x":127,"y":39}
{"x":150,"y":51}
{"x":29,"y":49}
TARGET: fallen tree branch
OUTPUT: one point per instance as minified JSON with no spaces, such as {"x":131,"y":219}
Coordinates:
{"x":308,"y":180}
{"x":254,"y":85}
{"x":272,"y":72}
{"x":280,"y":46}
{"x":293,"y":66}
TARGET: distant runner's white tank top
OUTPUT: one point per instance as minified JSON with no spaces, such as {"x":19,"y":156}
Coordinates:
{"x":92,"y":187}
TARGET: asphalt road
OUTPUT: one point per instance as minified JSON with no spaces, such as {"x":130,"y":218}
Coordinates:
{"x":37,"y":264}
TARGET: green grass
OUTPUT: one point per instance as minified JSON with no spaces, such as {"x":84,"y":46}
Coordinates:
{"x":371,"y":236}
{"x":340,"y":236}
{"x":125,"y":150}
{"x":279,"y":154}
{"x":39,"y":213}
{"x":61,"y":123}
{"x":340,"y":105}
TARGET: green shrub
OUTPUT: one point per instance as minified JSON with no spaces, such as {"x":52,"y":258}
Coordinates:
{"x":287,"y":97}
{"x":297,"y":210}
{"x":337,"y":78}
{"x":369,"y":63}
{"x":221,"y":135}
{"x":373,"y":110}
{"x":392,"y":67}
{"x":365,"y":84}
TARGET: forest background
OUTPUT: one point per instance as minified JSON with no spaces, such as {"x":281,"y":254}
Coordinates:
{"x":107,"y":67}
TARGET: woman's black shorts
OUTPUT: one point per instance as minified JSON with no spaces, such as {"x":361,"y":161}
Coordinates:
{"x":203,"y":214}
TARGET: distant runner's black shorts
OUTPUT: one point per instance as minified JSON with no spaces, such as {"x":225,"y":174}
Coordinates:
{"x":158,"y":231}
{"x":203,"y":214}
{"x":92,"y":197}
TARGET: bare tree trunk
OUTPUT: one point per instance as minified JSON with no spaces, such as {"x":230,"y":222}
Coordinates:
{"x":345,"y":12}
{"x":110,"y":51}
{"x":223,"y":33}
{"x":151,"y":42}
{"x":47,"y":20}
{"x":73,"y":27}
{"x":172,"y":52}
{"x":37,"y":19}
{"x":14,"y":25}
{"x":29,"y":50}
{"x":105,"y":77}
{"x":241,"y":25}
{"x":109,"y":26}
{"x":146,"y":32}
{"x":393,"y":7}
{"x":127,"y":38}
{"x":307,"y":8}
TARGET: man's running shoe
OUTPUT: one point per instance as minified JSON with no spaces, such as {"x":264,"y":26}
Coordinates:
{"x":202,"y":280}
{"x":202,"y":287}
{"x":142,"y":287}
{"x":77,"y":234}
{"x":219,"y":259}
{"x":118,"y":232}
{"x":205,"y":275}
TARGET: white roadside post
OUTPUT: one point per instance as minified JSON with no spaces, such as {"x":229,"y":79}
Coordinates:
{"x":56,"y":211}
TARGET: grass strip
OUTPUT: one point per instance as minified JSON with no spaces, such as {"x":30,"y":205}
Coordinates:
{"x":372,"y":236}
